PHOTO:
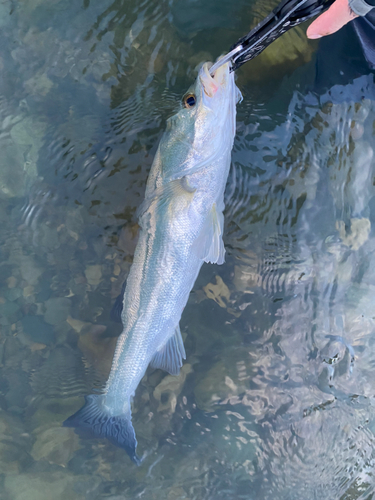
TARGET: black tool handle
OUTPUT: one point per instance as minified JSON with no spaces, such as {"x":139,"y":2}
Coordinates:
{"x":286,"y":15}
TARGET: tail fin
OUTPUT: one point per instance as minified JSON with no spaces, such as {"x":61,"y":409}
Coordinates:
{"x":117,"y":429}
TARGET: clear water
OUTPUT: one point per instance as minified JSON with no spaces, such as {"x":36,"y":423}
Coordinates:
{"x":276,"y":399}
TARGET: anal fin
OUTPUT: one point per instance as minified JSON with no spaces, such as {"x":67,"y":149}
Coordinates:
{"x":170,"y":356}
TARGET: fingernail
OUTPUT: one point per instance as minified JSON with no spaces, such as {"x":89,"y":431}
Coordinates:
{"x":314,"y":37}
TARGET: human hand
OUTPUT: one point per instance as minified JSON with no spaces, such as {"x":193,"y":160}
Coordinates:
{"x":332,"y":20}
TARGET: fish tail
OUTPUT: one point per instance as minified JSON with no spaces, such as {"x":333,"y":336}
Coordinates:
{"x":93,"y":419}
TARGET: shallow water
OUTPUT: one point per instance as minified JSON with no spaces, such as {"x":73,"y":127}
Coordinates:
{"x":276,"y":397}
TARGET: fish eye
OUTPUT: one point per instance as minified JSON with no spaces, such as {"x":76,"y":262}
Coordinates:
{"x":189,"y":100}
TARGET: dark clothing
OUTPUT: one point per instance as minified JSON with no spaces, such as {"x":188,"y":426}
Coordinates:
{"x":365,"y":30}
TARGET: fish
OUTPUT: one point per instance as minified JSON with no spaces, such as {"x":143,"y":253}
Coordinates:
{"x":181,"y":221}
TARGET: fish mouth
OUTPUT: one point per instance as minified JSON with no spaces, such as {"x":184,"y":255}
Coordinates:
{"x":211,"y":84}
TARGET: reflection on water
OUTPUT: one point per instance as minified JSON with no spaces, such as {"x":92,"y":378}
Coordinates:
{"x":276,"y":398}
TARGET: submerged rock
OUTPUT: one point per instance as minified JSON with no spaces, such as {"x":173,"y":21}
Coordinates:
{"x":58,"y":485}
{"x":18,"y":389}
{"x":19,"y":155}
{"x":38,"y":84}
{"x":77,"y":324}
{"x":98,"y":349}
{"x":51,"y":411}
{"x":358,"y":234}
{"x":13,"y":294}
{"x":57,"y":310}
{"x":57,"y":445}
{"x":246,"y":278}
{"x":39,"y":331}
{"x":62,"y":374}
{"x":12,"y":180}
{"x":12,"y":282}
{"x":93,"y":274}
{"x":212,"y":387}
{"x":224,"y":380}
{"x":8,"y":312}
{"x":5,"y":11}
{"x":28,"y":135}
{"x":10,"y":451}
{"x":170,"y":388}
{"x":30,"y":270}
{"x":218,"y":292}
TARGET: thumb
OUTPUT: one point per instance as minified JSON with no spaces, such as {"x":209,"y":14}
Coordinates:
{"x":331,"y":21}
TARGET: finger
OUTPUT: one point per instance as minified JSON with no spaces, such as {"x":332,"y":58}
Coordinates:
{"x":331,"y":21}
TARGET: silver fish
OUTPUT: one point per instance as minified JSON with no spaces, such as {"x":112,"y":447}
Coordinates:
{"x":181,"y":222}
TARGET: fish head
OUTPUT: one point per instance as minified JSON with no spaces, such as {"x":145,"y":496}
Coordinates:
{"x":201,"y":130}
{"x":214,"y":90}
{"x":204,"y":125}
{"x":212,"y":100}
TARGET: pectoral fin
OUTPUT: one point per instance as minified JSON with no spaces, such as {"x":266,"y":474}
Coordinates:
{"x":170,"y":356}
{"x":163,"y":194}
{"x":209,"y":244}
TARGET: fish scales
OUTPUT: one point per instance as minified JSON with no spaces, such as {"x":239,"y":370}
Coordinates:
{"x":181,"y":222}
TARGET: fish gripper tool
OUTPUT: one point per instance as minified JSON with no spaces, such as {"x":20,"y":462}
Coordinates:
{"x":286,"y":15}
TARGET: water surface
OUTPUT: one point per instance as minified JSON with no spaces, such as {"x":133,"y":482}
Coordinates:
{"x":276,"y":398}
